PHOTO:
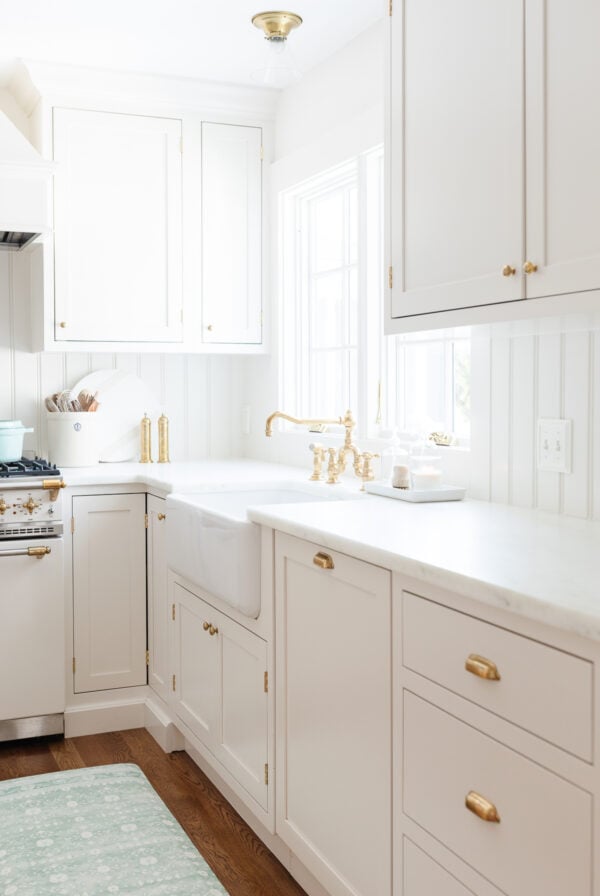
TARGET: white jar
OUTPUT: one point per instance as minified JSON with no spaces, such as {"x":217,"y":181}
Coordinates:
{"x":72,"y":438}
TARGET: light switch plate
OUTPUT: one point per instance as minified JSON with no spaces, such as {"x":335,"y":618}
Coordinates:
{"x":554,"y":445}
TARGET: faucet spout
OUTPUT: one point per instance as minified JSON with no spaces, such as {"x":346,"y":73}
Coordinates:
{"x":302,"y":422}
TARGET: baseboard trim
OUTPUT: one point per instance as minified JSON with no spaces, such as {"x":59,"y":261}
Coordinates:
{"x":98,"y":718}
{"x":160,"y":726}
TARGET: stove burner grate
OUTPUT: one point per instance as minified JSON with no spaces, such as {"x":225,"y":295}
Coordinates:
{"x":27,"y":467}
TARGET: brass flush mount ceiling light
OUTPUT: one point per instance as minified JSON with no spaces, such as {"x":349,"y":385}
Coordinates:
{"x":279,"y":70}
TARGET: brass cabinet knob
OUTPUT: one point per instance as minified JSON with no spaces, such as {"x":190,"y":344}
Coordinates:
{"x":483,"y":668}
{"x":210,"y":327}
{"x":481,"y":807}
{"x":324,"y":561}
{"x":213,"y":630}
{"x":529,"y":267}
{"x":206,"y":626}
{"x":63,"y":324}
{"x":161,"y":516}
{"x":508,"y":271}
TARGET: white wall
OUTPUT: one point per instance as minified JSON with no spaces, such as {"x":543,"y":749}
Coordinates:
{"x":199,"y":394}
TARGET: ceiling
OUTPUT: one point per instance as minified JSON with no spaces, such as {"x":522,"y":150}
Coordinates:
{"x":184,"y":38}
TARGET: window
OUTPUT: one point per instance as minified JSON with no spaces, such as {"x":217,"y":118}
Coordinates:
{"x":334,"y":354}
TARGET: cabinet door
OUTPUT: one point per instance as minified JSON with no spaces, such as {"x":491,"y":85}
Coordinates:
{"x":109,"y":591}
{"x":196,"y":662}
{"x":231,"y":233}
{"x":333,"y":763}
{"x":158,"y":598}
{"x":117,"y":216}
{"x":219,"y":689}
{"x":456,"y":150}
{"x":563,"y":146}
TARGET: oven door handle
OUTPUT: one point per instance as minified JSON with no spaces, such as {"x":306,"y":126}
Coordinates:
{"x":36,"y":551}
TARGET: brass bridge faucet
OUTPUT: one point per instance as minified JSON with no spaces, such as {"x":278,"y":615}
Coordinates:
{"x":361,"y":463}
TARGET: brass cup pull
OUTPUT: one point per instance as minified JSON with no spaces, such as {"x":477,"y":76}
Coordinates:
{"x":483,"y":668}
{"x":481,"y":807}
{"x":161,"y":516}
{"x":323,"y":561}
{"x":213,"y":630}
{"x":206,"y":626}
{"x":39,"y":552}
{"x":529,"y":267}
{"x":508,"y":271}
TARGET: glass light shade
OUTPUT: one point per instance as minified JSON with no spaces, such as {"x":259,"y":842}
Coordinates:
{"x":280,"y":70}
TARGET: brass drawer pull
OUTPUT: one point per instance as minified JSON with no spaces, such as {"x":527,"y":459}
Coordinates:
{"x":478,"y":665}
{"x":481,"y":807}
{"x":323,"y":561}
{"x":161,"y":516}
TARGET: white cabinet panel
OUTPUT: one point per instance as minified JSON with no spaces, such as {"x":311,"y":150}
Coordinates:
{"x":424,"y":877}
{"x":456,"y":153}
{"x":158,"y":598}
{"x":118,"y":254}
{"x":563,"y":146}
{"x":219,"y":689}
{"x":231,"y":233}
{"x":543,"y":843}
{"x":109,"y":591}
{"x":333,"y":718}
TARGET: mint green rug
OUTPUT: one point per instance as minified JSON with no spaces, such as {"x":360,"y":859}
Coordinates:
{"x":94,"y":831}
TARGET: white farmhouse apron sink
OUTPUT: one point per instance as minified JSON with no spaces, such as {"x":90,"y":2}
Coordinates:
{"x":212,"y":543}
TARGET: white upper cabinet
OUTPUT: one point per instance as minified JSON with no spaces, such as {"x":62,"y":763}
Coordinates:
{"x":456,"y":153}
{"x":563,"y":146}
{"x":492,"y":147}
{"x":231,"y":234}
{"x":117,"y":215}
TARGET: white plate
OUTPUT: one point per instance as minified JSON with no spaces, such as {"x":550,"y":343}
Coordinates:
{"x":416,"y":495}
{"x":123,"y":400}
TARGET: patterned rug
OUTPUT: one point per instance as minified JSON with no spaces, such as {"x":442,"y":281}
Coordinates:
{"x":94,"y":831}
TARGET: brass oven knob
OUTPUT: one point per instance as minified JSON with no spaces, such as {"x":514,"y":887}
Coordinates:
{"x":30,"y":505}
{"x":529,"y":267}
{"x":3,"y":506}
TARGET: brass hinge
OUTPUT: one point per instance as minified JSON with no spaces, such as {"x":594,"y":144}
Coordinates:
{"x":390,"y":277}
{"x":72,"y":524}
{"x":146,"y":521}
{"x":74,"y":665}
{"x":147,"y":657}
{"x":173,"y":680}
{"x":262,"y":153}
{"x":173,"y":612}
{"x":390,"y":7}
{"x":266,"y":773}
{"x":266,"y":683}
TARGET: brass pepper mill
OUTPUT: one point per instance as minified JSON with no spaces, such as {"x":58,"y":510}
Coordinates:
{"x":163,"y":440}
{"x":145,"y":441}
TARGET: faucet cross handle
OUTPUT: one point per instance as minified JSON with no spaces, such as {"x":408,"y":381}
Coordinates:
{"x":367,"y":474}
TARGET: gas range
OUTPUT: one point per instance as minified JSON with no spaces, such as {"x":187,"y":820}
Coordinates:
{"x":30,"y":505}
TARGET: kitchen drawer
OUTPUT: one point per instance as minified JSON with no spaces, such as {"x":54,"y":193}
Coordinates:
{"x":542,"y":843}
{"x":541,"y":689}
{"x":424,"y":877}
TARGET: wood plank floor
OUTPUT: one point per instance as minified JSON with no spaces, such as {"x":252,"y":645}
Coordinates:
{"x":240,"y":860}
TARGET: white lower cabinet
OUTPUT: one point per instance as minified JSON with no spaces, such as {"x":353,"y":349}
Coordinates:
{"x":158,"y":598}
{"x":333,"y":708}
{"x":109,"y":592}
{"x":422,"y":876}
{"x":219,"y":689}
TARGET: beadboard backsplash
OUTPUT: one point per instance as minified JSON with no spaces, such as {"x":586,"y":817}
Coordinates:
{"x":198,"y":393}
{"x":521,"y":372}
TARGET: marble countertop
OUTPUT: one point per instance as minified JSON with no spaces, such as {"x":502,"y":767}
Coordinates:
{"x":533,"y":563}
{"x":539,"y":565}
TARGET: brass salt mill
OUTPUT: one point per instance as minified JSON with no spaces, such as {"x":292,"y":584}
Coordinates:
{"x":163,"y":440}
{"x":145,"y":441}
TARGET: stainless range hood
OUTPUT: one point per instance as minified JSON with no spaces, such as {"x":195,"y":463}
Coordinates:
{"x":25,"y":184}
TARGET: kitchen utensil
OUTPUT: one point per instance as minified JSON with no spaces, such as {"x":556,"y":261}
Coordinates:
{"x":51,"y":404}
{"x":121,"y":400}
{"x":11,"y":440}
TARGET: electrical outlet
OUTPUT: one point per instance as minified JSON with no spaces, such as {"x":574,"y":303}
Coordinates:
{"x":554,"y":445}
